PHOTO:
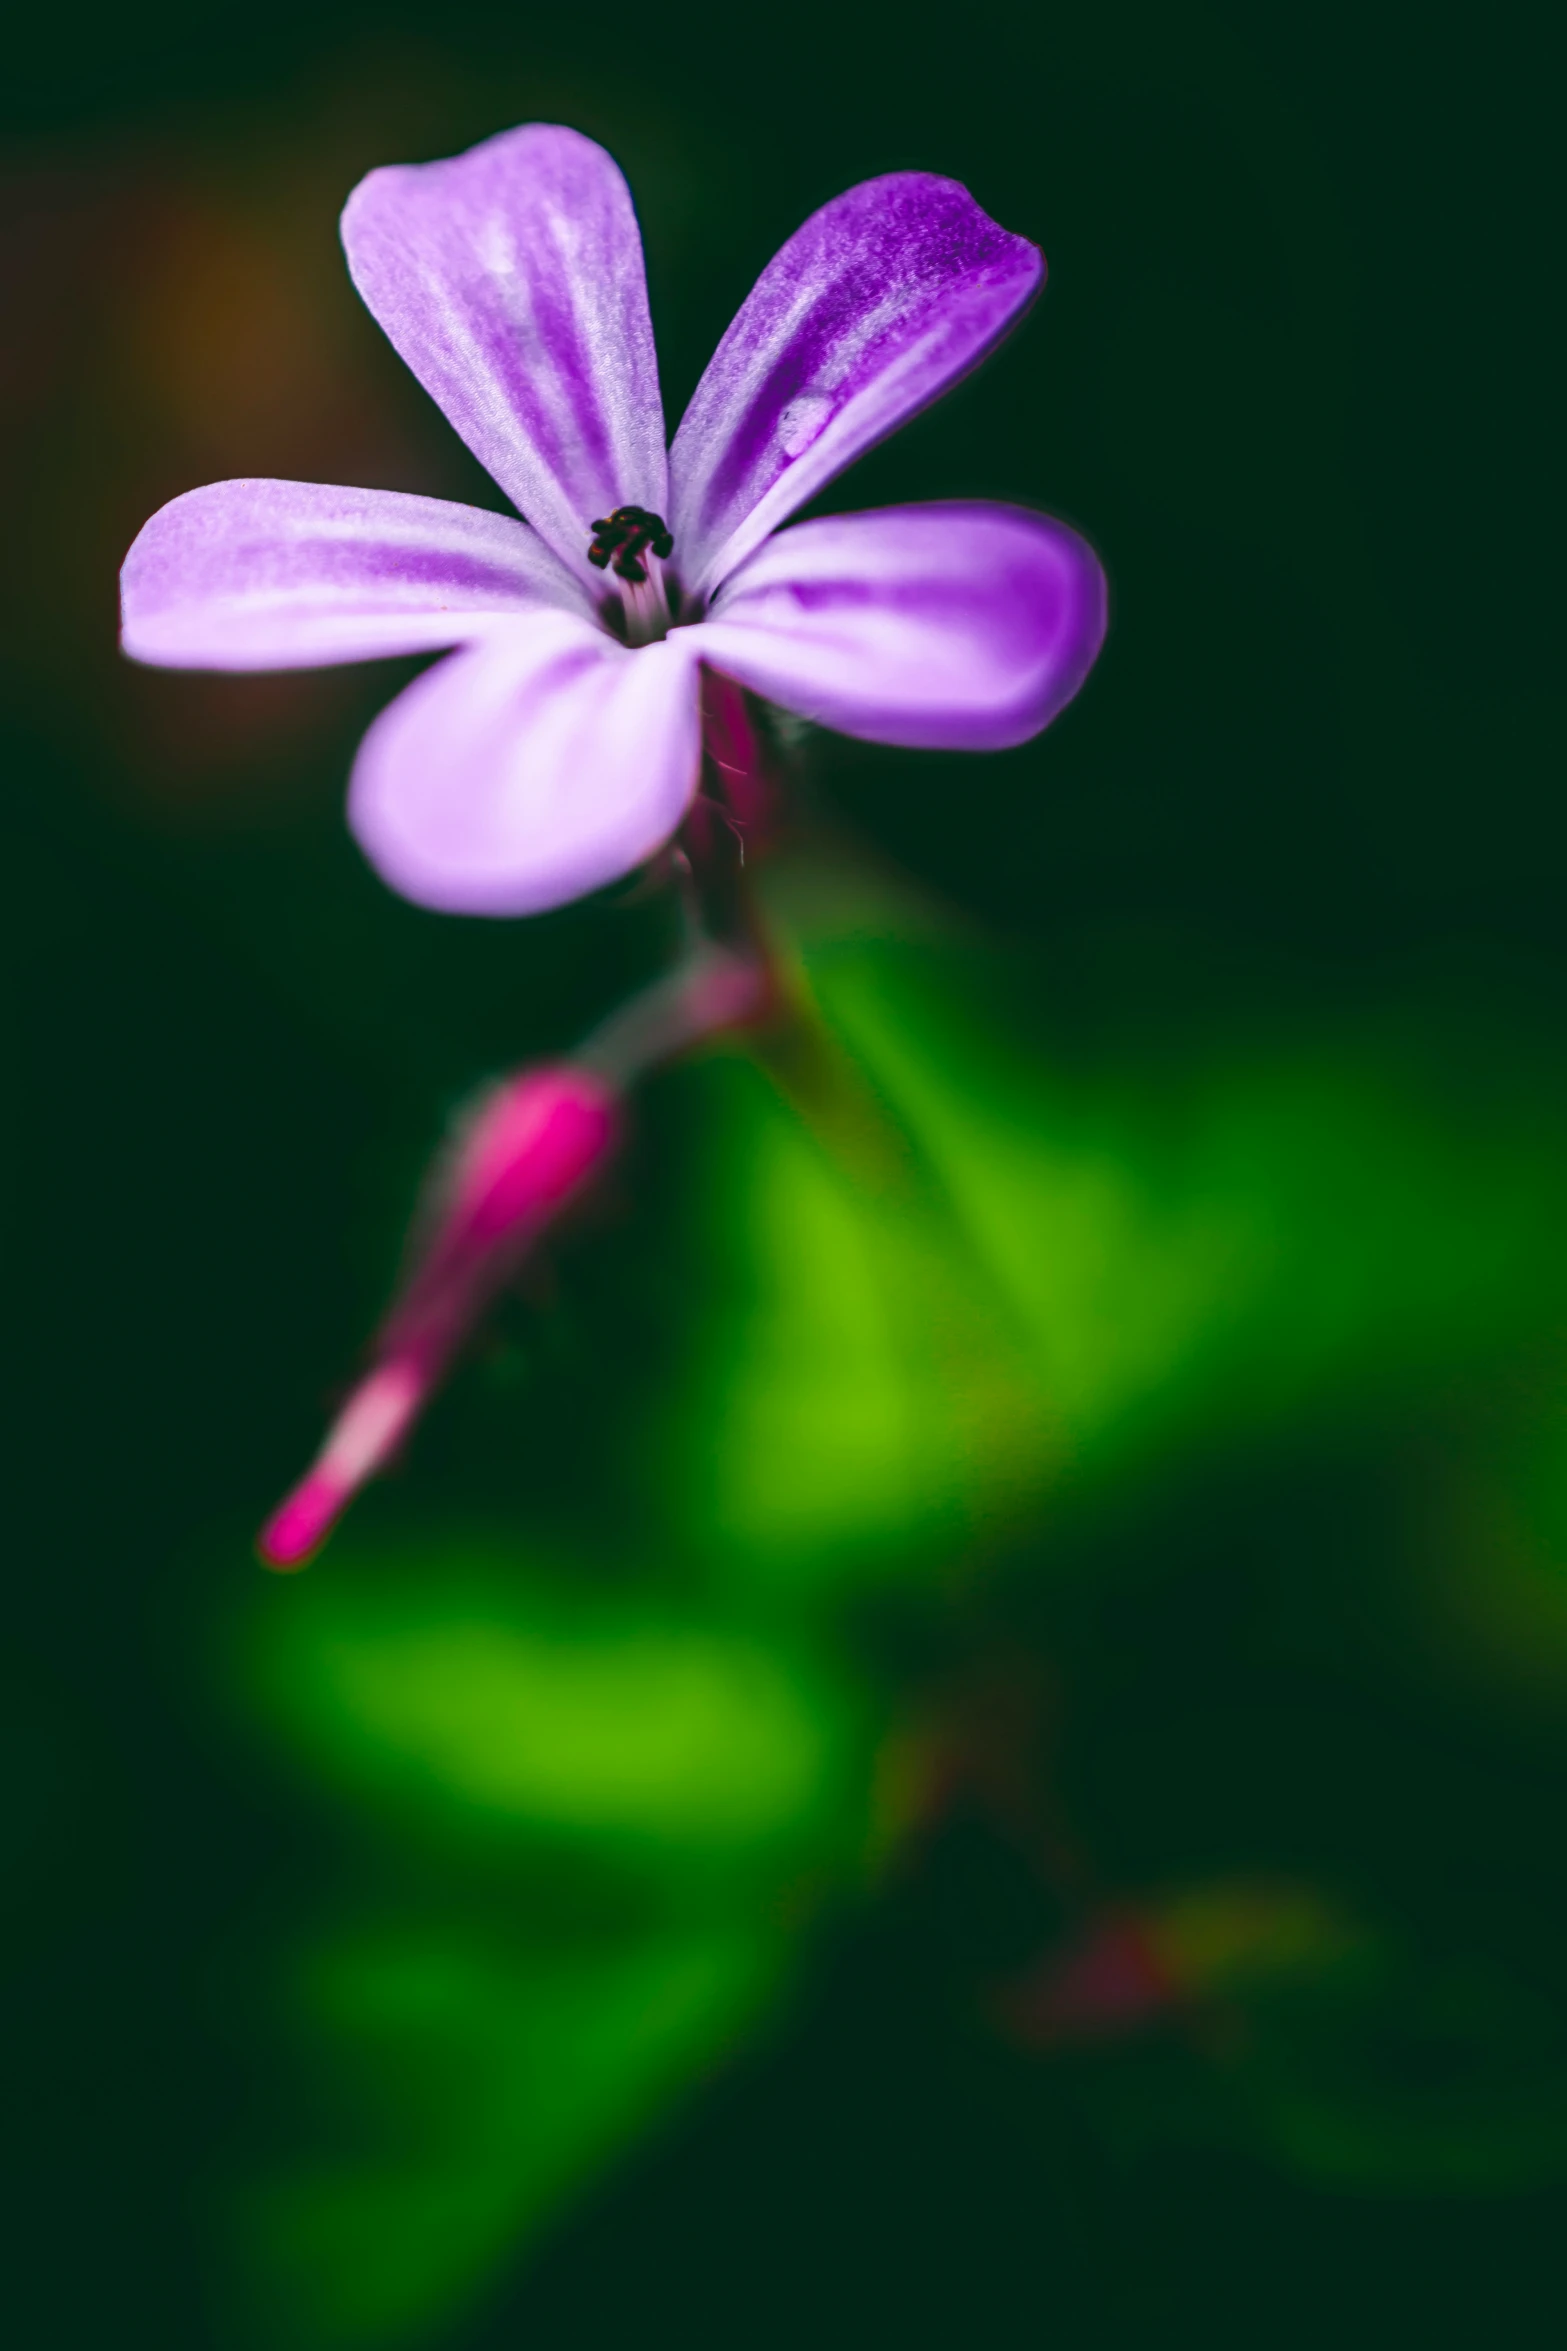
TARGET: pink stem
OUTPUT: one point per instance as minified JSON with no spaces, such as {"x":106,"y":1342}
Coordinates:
{"x":533,"y":1146}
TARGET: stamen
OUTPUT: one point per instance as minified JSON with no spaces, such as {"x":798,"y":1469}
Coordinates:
{"x":621,"y":540}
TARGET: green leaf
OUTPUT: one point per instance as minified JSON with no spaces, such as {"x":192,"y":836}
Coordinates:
{"x":953,"y":1279}
{"x":576,"y":1834}
{"x":483,"y":2077}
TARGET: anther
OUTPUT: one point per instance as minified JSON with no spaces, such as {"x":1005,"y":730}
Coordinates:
{"x":621,"y":540}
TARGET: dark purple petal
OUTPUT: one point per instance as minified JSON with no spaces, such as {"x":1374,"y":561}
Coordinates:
{"x":291,"y":575}
{"x":878,"y":303}
{"x":510,"y":279}
{"x":942,"y":627}
{"x":530,"y":768}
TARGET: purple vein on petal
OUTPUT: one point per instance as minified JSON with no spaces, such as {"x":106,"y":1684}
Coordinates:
{"x":873,"y":308}
{"x":530,"y":768}
{"x":956,"y":627}
{"x":510,"y":279}
{"x":280,"y":575}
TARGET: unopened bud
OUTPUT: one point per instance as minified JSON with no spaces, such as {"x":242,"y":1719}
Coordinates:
{"x":533,"y":1145}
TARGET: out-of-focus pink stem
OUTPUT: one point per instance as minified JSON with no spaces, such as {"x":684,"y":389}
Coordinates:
{"x":365,"y":1434}
{"x":524,"y":1156}
{"x":716,"y":988}
{"x":531,"y":1148}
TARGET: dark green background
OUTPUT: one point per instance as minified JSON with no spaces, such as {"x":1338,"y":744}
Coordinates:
{"x":1292,"y":377}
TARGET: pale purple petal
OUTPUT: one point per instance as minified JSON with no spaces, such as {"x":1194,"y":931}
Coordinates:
{"x":941,"y":627}
{"x":530,"y":768}
{"x":291,"y":575}
{"x":510,"y":279}
{"x":875,"y":306}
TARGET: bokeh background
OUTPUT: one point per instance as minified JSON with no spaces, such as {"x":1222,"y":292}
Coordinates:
{"x":957,"y":1730}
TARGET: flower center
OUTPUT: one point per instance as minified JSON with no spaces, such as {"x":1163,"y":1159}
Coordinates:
{"x":622,"y":539}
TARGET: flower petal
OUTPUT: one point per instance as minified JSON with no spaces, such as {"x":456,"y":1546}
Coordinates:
{"x":530,"y":768}
{"x":942,"y":627}
{"x":875,"y":306}
{"x":510,"y":279}
{"x":291,"y":575}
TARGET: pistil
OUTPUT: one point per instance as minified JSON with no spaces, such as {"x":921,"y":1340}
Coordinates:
{"x":646,"y":610}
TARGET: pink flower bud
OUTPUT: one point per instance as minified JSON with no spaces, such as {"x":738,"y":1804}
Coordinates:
{"x":534,"y":1142}
{"x":531,"y":1148}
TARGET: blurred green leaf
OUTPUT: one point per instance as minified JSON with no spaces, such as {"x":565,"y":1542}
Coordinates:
{"x":457,"y":1688}
{"x":1428,"y":2074}
{"x":1229,"y":1242}
{"x":582,"y":1831}
{"x":1369,"y":2067}
{"x":858,"y":1394}
{"x":487,"y":2076}
{"x":1070,"y":1276}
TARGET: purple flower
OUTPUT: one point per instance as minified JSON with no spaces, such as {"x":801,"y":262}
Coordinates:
{"x":560,"y":745}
